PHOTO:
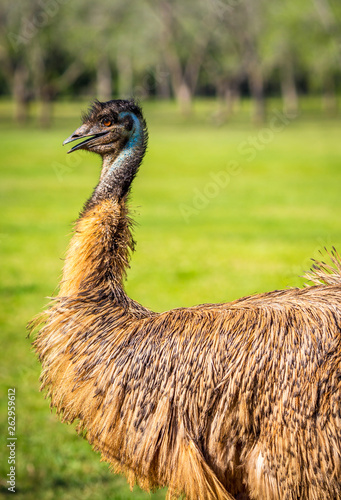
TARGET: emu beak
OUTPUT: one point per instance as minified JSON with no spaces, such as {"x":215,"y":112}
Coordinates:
{"x":80,"y":133}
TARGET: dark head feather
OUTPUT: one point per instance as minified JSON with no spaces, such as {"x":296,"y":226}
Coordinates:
{"x":98,"y":110}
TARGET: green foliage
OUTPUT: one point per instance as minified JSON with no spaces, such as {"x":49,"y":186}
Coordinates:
{"x":56,"y":48}
{"x":207,"y":230}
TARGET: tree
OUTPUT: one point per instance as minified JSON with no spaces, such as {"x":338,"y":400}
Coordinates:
{"x":182,"y":49}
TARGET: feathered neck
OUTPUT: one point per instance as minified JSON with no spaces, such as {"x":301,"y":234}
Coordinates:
{"x":119,"y":168}
{"x":99,"y":251}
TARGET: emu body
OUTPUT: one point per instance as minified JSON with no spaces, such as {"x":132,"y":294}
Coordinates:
{"x":216,"y":401}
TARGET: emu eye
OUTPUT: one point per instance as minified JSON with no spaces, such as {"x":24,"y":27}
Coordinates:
{"x":106,"y":122}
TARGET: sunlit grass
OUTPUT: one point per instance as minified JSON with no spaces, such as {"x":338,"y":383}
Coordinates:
{"x":197,"y":241}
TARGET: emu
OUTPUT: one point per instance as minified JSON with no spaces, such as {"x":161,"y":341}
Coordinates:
{"x":217,"y":401}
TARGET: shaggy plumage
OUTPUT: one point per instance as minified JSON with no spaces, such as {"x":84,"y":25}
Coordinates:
{"x":217,"y":401}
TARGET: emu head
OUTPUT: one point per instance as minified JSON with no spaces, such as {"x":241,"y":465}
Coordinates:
{"x":108,"y":126}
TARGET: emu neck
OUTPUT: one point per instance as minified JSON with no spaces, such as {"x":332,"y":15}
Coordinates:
{"x":120,"y":168}
{"x":99,"y":251}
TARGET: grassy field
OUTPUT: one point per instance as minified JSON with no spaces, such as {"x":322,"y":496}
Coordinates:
{"x":222,"y":211}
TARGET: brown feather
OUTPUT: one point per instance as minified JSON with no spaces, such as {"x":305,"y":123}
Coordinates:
{"x":217,"y":401}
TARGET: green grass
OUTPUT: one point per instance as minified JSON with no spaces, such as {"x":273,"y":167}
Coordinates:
{"x":255,"y":232}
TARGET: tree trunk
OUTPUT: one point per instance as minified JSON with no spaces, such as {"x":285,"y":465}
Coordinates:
{"x":125,"y":75}
{"x":231,"y":98}
{"x":184,"y":97}
{"x":46,"y":96}
{"x":256,"y":83}
{"x":180,"y":86}
{"x":288,"y":88}
{"x":104,"y":86}
{"x":162,"y":83}
{"x":227,"y":96}
{"x":20,"y":94}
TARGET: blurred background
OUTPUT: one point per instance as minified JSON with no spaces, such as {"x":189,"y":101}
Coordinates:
{"x":240,"y":187}
{"x":226,"y":49}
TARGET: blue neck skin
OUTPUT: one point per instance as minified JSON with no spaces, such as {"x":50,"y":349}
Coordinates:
{"x":134,"y":141}
{"x":121,"y":169}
